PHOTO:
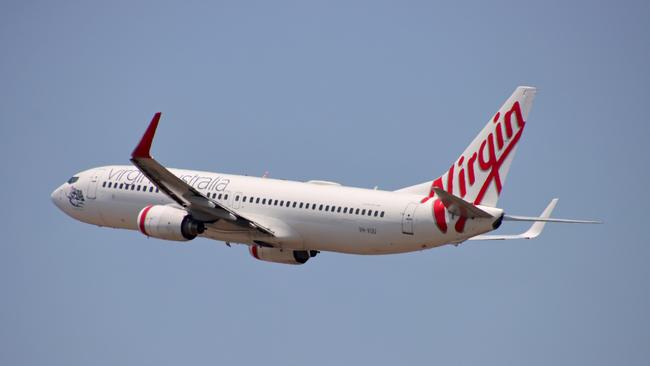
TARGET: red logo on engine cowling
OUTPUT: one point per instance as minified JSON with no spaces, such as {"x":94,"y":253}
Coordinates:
{"x":491,"y":154}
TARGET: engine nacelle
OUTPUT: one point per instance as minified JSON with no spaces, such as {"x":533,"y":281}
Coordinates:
{"x":277,"y":255}
{"x":169,"y":223}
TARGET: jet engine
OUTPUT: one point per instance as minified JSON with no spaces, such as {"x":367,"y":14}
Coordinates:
{"x":277,"y":255}
{"x":169,"y":223}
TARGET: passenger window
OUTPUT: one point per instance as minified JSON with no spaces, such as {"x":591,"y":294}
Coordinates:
{"x":133,"y":187}
{"x":104,"y":184}
{"x":225,"y":197}
{"x":264,"y":201}
{"x":150,"y":189}
{"x":294,"y":204}
{"x":376,"y":213}
{"x":313,"y":206}
{"x":138,"y":187}
{"x":356,"y":212}
{"x":257,"y":200}
{"x":345,"y":210}
{"x":220,"y":195}
{"x":382,"y":214}
{"x":237,"y":198}
{"x":369,"y":212}
{"x":281,"y":203}
{"x":363,"y":212}
{"x":157,"y":190}
{"x":121,"y":185}
{"x":327,"y":208}
{"x":275,"y":203}
{"x":300,"y":205}
{"x":338,"y":209}
{"x":251,"y":199}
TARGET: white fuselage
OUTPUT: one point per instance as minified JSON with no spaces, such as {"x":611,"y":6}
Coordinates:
{"x":314,"y":215}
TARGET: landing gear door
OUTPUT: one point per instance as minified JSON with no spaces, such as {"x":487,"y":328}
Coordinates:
{"x":407,"y":218}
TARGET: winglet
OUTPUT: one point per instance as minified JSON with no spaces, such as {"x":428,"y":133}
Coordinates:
{"x":142,"y":150}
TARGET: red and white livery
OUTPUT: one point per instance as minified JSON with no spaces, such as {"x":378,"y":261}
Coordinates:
{"x":289,"y":222}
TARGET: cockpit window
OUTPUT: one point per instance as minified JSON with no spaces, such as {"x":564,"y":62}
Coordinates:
{"x":73,"y":179}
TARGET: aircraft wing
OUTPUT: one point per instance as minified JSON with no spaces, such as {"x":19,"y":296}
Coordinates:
{"x":198,"y":205}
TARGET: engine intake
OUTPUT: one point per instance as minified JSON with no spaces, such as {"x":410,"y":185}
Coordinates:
{"x":169,"y":223}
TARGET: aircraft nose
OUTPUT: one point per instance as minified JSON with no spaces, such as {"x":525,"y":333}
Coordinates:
{"x":56,"y":197}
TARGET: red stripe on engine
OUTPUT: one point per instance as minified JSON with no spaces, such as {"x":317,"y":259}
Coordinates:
{"x":143,"y":217}
{"x":254,"y":251}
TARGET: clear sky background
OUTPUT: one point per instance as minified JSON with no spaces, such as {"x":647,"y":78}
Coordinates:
{"x":363,"y":93}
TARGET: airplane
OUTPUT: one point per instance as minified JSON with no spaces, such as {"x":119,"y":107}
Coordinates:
{"x":290,"y":222}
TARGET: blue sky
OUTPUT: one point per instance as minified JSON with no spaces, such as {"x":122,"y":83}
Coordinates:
{"x":363,"y":93}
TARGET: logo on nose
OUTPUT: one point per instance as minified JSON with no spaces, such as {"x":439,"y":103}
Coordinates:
{"x":76,"y":197}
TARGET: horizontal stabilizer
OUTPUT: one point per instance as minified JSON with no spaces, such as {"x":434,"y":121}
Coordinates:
{"x":548,"y":219}
{"x":459,"y":206}
{"x":533,"y":232}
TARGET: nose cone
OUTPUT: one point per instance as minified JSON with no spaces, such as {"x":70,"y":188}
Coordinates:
{"x":57,"y":197}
